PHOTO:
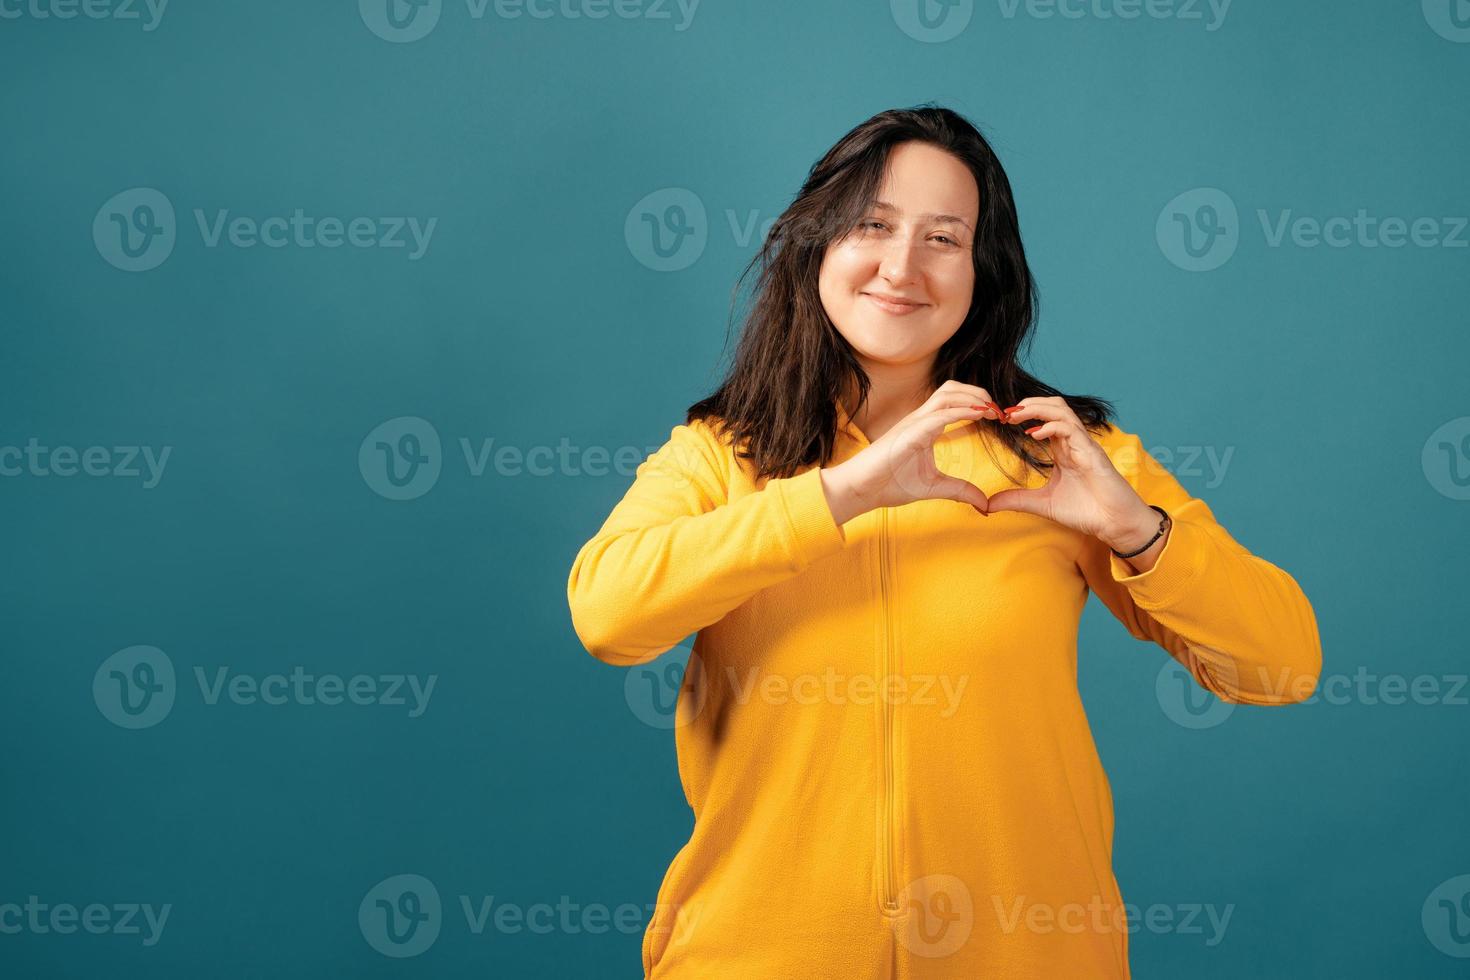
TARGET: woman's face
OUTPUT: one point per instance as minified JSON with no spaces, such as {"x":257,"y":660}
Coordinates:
{"x":906,"y":247}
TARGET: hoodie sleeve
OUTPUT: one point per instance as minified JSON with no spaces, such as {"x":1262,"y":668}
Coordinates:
{"x":675,"y":555}
{"x":1241,"y":626}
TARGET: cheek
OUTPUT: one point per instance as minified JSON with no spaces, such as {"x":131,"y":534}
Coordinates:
{"x":840,"y":275}
{"x":955,"y":283}
{"x":844,"y":268}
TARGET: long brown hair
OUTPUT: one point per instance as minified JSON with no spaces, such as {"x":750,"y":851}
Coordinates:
{"x":791,"y":364}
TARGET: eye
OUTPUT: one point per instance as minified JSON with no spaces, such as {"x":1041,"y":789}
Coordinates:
{"x":946,"y":238}
{"x":870,"y":224}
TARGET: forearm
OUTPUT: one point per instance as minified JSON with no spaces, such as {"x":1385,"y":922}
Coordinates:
{"x":844,"y":494}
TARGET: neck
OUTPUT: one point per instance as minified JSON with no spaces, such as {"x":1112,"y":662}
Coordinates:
{"x":894,"y":391}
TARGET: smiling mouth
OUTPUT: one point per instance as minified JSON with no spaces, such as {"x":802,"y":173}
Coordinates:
{"x":893,"y":306}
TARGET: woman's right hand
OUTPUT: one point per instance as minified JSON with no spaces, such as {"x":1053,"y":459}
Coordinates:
{"x":899,"y":468}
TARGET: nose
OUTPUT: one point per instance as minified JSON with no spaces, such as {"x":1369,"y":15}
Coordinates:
{"x":899,"y":263}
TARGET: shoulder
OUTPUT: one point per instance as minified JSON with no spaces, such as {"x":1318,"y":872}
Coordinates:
{"x":1129,"y":455}
{"x":696,"y":451}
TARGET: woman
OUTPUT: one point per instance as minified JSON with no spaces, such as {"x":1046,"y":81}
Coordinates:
{"x":879,"y":730}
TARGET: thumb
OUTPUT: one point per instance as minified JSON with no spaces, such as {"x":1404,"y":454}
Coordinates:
{"x":1024,"y":501}
{"x":953,"y":488}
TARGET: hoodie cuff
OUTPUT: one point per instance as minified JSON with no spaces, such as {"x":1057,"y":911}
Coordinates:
{"x":1178,"y":565}
{"x":815,"y":533}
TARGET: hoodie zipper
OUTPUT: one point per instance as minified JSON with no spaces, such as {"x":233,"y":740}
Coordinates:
{"x":890,"y":898}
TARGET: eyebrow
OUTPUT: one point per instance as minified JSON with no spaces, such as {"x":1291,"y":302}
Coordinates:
{"x":952,"y":219}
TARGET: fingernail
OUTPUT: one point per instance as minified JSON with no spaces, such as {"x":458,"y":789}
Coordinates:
{"x":1032,"y":431}
{"x":1013,"y":408}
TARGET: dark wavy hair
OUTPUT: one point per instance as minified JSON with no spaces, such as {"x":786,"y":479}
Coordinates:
{"x":792,"y":364}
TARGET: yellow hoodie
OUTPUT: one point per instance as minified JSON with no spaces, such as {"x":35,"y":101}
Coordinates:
{"x":879,"y":729}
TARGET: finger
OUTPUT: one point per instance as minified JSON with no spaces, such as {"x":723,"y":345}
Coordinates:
{"x":1023,"y":501}
{"x":953,"y":488}
{"x":957,"y":392}
{"x":1062,"y":439}
{"x":932,"y":425}
{"x":1045,"y":409}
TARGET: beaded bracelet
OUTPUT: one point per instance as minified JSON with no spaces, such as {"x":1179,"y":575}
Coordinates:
{"x":1163,"y":524}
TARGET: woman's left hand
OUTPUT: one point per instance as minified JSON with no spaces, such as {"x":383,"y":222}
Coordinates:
{"x":1085,"y":491}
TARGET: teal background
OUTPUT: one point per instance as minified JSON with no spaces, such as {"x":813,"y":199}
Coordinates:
{"x":530,"y":319}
